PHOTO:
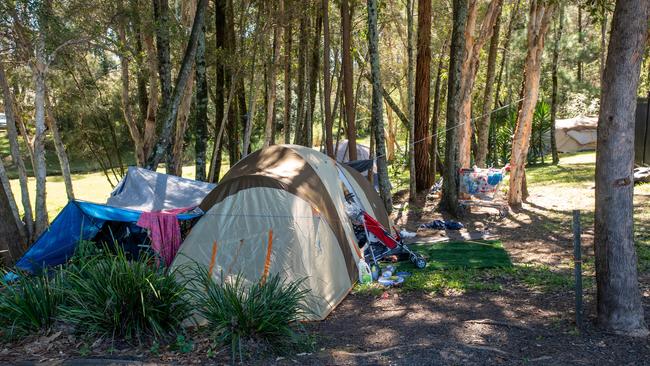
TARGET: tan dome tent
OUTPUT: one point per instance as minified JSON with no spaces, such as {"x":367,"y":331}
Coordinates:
{"x":281,"y":210}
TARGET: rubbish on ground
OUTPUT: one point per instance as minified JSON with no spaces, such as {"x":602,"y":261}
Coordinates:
{"x":442,"y":225}
{"x":642,"y":175}
{"x":365,"y":275}
{"x":407,"y":234}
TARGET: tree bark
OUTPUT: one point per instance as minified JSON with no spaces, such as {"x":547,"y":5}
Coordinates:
{"x":450,"y":182}
{"x":286,"y":128}
{"x":221,"y":80}
{"x":580,"y":42}
{"x":473,"y":45}
{"x":541,"y":14}
{"x":60,"y":148}
{"x":377,"y":106}
{"x":433,"y":151}
{"x":161,"y":23}
{"x":201,"y":120}
{"x":554,"y":87}
{"x":12,"y":240}
{"x":149,"y":135}
{"x":327,"y":82}
{"x":346,"y":52}
{"x":410,"y":89}
{"x":422,"y":90}
{"x":505,"y":51}
{"x":270,"y":108}
{"x":171,"y":112}
{"x":39,"y":67}
{"x":313,"y":79}
{"x":16,"y":156}
{"x":302,"y":83}
{"x":620,"y":309}
{"x":184,"y":110}
{"x":603,"y":38}
{"x":483,"y":127}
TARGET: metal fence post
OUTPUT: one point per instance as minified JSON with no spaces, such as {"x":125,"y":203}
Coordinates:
{"x":577,"y":259}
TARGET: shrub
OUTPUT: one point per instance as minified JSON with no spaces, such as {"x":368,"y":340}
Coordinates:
{"x":29,"y":304}
{"x":261,"y":312}
{"x":108,"y":294}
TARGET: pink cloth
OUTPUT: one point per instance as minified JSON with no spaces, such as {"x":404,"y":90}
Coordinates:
{"x":165,"y":232}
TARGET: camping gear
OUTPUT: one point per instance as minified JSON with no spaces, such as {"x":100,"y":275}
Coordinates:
{"x":442,"y":225}
{"x":281,"y":210}
{"x":480,"y":187}
{"x":576,"y":134}
{"x":139,"y":191}
{"x":386,"y":244}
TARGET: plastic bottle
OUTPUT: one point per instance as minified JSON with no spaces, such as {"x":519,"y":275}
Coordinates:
{"x":374,"y":269}
{"x":365,"y":276}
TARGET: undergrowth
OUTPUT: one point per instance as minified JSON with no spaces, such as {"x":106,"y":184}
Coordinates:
{"x":265,"y":314}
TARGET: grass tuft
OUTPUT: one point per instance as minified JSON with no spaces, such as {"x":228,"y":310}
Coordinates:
{"x":29,"y":304}
{"x":108,"y":294}
{"x":264,"y":314}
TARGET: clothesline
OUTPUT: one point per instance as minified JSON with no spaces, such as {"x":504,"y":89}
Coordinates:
{"x":458,"y":125}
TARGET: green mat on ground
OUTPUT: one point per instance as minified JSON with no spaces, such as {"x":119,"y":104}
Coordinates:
{"x":466,"y":254}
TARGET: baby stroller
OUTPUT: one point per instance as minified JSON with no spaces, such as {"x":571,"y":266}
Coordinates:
{"x":382,"y":244}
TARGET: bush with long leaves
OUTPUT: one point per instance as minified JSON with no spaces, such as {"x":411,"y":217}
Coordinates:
{"x":266,"y":312}
{"x":29,"y":304}
{"x":108,"y":294}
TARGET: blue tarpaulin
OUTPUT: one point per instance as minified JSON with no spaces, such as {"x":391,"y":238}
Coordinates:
{"x":77,"y":221}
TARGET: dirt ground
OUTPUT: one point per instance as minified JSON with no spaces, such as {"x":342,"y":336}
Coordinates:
{"x":518,"y":325}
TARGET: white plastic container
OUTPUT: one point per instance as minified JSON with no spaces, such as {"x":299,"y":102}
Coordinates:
{"x":365,"y":275}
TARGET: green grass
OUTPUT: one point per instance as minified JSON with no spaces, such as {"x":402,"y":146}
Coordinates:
{"x":452,"y":255}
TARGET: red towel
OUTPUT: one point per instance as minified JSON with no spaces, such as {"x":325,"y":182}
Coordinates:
{"x":165,"y":232}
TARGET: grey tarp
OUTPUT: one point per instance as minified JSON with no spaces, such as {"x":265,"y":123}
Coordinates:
{"x":146,"y":190}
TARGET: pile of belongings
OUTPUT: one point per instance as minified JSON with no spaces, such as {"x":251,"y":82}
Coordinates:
{"x":442,"y":225}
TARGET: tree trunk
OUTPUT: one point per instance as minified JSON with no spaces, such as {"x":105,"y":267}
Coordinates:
{"x":213,"y":175}
{"x":603,"y":38}
{"x":149,"y":135}
{"x":286,"y":128}
{"x":60,"y":148}
{"x":554,"y":91}
{"x":541,"y":14}
{"x":302,"y":64}
{"x":450,"y":182}
{"x":201,"y":120}
{"x":422,"y":89}
{"x":505,"y":51}
{"x":184,"y":110}
{"x":473,"y":45}
{"x":40,"y":170}
{"x":377,"y":113}
{"x":410,"y":89}
{"x":12,"y":240}
{"x":580,"y":42}
{"x":16,"y":156}
{"x":313,"y":79}
{"x":163,"y":145}
{"x":127,"y":110}
{"x":270,"y":108}
{"x":390,"y":134}
{"x":220,"y":82}
{"x":327,"y":82}
{"x":346,"y":51}
{"x":620,"y":309}
{"x":161,"y":22}
{"x":483,"y":127}
{"x":436,"y":113}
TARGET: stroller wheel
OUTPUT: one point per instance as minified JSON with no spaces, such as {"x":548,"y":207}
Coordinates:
{"x":419,"y":262}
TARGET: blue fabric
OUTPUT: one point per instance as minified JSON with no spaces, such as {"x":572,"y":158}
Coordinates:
{"x":77,"y":221}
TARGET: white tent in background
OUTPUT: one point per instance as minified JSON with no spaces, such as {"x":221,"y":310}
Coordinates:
{"x":343,"y":152}
{"x":576,"y":134}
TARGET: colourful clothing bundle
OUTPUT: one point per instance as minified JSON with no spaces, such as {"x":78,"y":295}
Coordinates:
{"x":165,"y":232}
